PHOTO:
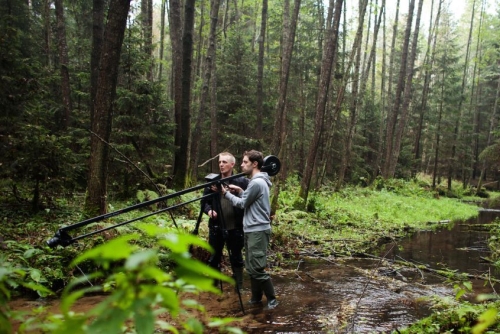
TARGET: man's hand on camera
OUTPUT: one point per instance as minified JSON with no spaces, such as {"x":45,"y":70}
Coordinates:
{"x":234,"y":189}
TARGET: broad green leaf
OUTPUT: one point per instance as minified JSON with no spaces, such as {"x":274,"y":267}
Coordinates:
{"x":143,"y":316}
{"x":166,"y":326}
{"x":113,"y":250}
{"x":234,"y":330}
{"x":217,"y":322}
{"x":193,"y":304}
{"x":30,"y":252}
{"x":459,"y":294}
{"x":153,"y":230}
{"x":194,"y":325}
{"x":484,"y":297}
{"x":69,"y":298}
{"x":485,"y":320}
{"x":110,"y":322}
{"x":180,"y":243}
{"x":35,"y":275}
{"x":157,"y":274}
{"x":134,"y":261}
{"x":42,"y":290}
{"x":198,"y":268}
{"x":168,"y":298}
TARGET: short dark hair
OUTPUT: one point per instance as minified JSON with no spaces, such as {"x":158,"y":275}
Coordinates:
{"x":253,"y":156}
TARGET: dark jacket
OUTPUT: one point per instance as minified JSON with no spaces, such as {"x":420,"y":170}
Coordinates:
{"x":207,"y":203}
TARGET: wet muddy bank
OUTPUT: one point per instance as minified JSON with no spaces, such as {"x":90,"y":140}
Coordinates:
{"x":352,"y":295}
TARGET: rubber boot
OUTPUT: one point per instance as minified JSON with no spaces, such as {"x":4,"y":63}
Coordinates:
{"x":256,"y":289}
{"x":238,"y":277}
{"x":268,"y":288}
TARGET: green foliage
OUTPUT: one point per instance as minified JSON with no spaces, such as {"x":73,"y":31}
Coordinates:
{"x":139,"y":307}
{"x":12,"y":277}
{"x":458,"y":318}
{"x":364,"y":216}
{"x":147,"y":195}
{"x":494,"y":242}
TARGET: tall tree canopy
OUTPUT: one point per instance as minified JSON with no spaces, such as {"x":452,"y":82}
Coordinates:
{"x":148,"y":95}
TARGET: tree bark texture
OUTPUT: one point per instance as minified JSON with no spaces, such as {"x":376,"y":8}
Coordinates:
{"x":97,"y":36}
{"x":176,"y":41}
{"x":147,"y":28}
{"x":103,"y":108}
{"x":63,"y":63}
{"x":393,"y":116}
{"x":386,"y":122}
{"x":456,"y":133}
{"x":405,"y":109}
{"x":260,"y":70}
{"x":280,"y":129}
{"x":353,"y":112}
{"x":209,"y":64}
{"x":162,"y":39}
{"x":187,"y":56}
{"x":323,"y":86}
{"x":428,"y":63}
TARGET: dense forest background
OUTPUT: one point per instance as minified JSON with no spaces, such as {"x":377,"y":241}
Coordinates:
{"x":110,"y":97}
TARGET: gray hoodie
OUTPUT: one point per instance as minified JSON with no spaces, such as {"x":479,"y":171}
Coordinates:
{"x":255,"y":202}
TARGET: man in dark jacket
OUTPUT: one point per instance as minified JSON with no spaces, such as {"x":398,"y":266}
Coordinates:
{"x":226,"y":227}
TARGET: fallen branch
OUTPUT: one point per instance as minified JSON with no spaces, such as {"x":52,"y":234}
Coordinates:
{"x":440,"y":272}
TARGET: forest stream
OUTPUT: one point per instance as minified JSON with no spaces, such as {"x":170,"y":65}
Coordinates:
{"x":354,"y":295}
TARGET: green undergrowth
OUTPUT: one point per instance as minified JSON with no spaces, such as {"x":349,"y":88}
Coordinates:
{"x":345,"y":222}
{"x":358,"y":218}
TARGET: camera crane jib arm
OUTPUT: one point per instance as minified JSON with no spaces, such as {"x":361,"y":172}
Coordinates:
{"x":271,"y":165}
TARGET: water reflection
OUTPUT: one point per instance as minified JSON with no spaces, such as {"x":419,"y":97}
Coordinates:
{"x":360,"y":296}
{"x":460,"y":246}
{"x":351,"y":297}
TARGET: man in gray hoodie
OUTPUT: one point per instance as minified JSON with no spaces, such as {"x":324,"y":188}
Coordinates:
{"x":256,"y":225}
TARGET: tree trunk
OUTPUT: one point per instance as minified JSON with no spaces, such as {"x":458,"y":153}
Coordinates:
{"x":63,"y":63}
{"x":428,"y":64}
{"x":476,"y":92}
{"x":280,"y":129}
{"x":456,"y":133}
{"x":214,"y":124}
{"x":200,"y":42}
{"x":438,"y":136}
{"x":103,"y":108}
{"x":407,"y":93}
{"x":147,"y":28}
{"x":176,"y":41}
{"x":47,"y":33}
{"x":260,"y":71}
{"x":353,"y":113}
{"x":493,"y":124}
{"x":162,"y":39}
{"x":393,"y":116}
{"x":209,"y":64}
{"x":323,"y":86}
{"x":383,"y":98}
{"x":97,"y":36}
{"x":181,"y":177}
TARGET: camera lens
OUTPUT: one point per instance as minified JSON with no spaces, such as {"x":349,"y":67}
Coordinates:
{"x":53,"y":242}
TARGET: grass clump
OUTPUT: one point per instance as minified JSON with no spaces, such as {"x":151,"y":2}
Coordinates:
{"x":361,"y":216}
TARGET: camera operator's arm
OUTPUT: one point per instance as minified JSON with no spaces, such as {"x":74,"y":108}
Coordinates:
{"x":234,"y":189}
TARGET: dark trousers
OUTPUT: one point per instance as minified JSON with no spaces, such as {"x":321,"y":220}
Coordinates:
{"x":234,"y":240}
